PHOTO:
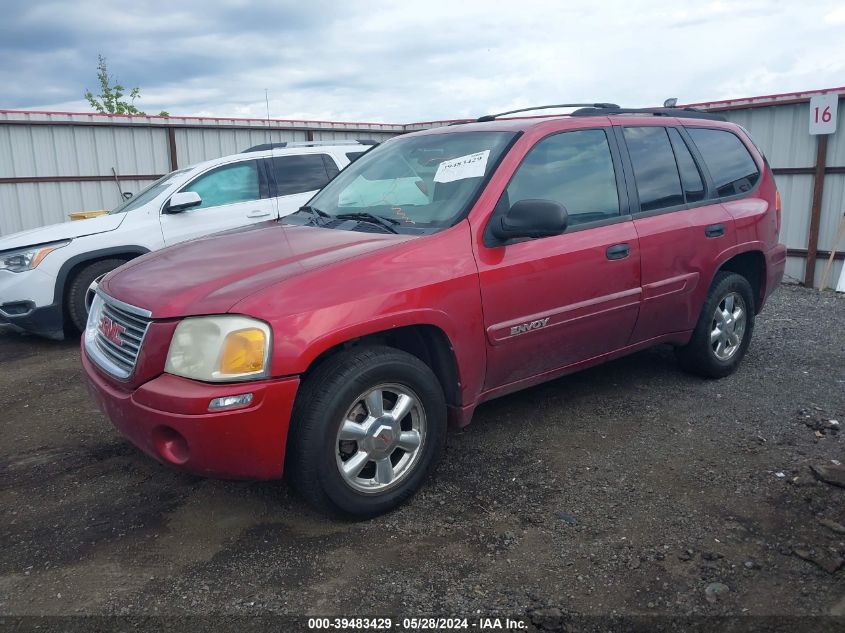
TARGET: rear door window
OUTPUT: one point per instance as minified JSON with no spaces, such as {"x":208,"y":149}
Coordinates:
{"x":298,"y":174}
{"x":728,"y":160}
{"x":690,"y":176}
{"x":655,"y":171}
{"x":574,"y":169}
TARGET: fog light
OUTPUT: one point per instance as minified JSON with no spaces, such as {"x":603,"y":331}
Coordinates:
{"x":171,"y":445}
{"x":230,"y":402}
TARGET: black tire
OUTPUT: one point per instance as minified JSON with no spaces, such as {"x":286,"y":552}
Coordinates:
{"x":321,"y":405}
{"x":698,"y":356}
{"x":77,"y":311}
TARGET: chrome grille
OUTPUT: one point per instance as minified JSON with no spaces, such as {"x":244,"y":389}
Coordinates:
{"x":115,"y":334}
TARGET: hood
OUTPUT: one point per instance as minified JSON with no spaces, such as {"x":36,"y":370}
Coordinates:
{"x":212,"y":274}
{"x":63,"y":231}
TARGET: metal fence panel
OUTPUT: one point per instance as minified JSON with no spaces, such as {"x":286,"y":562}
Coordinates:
{"x":781,"y":132}
{"x":30,"y":205}
{"x":63,"y":162}
{"x":796,"y":192}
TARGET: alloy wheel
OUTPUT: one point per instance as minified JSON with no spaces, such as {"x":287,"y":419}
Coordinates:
{"x":381,"y":438}
{"x":728,"y":326}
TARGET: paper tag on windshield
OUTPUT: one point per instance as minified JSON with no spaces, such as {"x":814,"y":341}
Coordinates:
{"x":469,"y":166}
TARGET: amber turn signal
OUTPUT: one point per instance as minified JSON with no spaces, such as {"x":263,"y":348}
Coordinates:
{"x":243,"y":352}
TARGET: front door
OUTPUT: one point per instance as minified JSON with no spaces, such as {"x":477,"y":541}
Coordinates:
{"x":233,"y":195}
{"x":555,"y":301}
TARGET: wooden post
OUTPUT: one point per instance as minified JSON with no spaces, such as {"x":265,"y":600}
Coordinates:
{"x":171,"y":143}
{"x":816,"y":211}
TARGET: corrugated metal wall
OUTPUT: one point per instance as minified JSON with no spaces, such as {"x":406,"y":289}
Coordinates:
{"x":52,"y":164}
{"x":781,"y":131}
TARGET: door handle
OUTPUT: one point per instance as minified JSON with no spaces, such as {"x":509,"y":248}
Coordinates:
{"x":715,"y":230}
{"x":618,"y":251}
{"x":257,"y":214}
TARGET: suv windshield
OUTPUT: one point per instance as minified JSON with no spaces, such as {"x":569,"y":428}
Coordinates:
{"x":145,"y":195}
{"x":412,"y":184}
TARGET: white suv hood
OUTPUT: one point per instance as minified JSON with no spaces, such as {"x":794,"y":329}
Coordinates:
{"x":63,"y":231}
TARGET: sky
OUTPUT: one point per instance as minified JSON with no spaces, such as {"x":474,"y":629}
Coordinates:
{"x":402,"y":62}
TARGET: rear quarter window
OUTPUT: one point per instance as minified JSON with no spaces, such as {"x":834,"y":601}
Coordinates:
{"x":300,"y":173}
{"x":731,"y":166}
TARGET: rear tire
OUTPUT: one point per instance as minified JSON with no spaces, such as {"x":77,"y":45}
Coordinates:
{"x":77,"y":306}
{"x":367,"y":428}
{"x":724,"y":328}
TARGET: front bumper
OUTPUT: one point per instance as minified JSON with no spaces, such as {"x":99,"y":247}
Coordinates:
{"x":26,"y":303}
{"x":168,"y":419}
{"x":47,"y":321}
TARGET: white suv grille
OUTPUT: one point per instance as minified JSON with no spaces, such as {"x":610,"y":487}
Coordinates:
{"x":114,"y":335}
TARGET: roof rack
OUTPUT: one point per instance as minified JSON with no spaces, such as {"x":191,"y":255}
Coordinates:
{"x":493,"y":117}
{"x":288,"y":144}
{"x":688,"y":113}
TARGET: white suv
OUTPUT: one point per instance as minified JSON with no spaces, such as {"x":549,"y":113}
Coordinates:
{"x":47,"y":275}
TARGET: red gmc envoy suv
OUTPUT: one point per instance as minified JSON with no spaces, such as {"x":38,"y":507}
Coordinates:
{"x":441,"y":269}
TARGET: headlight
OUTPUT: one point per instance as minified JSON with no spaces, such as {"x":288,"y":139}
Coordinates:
{"x":28,"y":258}
{"x":220,"y":349}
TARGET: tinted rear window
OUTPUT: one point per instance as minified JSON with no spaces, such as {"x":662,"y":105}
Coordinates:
{"x":658,"y":183}
{"x":730,"y":164}
{"x":298,"y":174}
{"x":353,"y":155}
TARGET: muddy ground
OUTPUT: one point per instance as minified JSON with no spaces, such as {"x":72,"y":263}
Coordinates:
{"x":628,"y":489}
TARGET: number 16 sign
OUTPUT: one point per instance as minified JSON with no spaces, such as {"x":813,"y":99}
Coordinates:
{"x":823,"y":113}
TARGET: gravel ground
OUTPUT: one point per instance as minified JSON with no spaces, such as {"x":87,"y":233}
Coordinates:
{"x":630,"y":489}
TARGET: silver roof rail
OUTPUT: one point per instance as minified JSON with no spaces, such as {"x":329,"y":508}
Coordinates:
{"x":288,"y":144}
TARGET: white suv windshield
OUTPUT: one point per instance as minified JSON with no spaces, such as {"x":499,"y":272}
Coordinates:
{"x":145,"y":195}
{"x":411,"y":183}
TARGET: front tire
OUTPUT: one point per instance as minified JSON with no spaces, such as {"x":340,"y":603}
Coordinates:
{"x":723,"y":331}
{"x":368,"y":426}
{"x":81,"y":288}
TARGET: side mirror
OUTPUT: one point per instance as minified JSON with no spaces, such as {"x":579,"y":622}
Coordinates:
{"x":183,"y":200}
{"x":531,"y":218}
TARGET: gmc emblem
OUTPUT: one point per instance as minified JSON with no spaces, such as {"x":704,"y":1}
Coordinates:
{"x":111,"y":330}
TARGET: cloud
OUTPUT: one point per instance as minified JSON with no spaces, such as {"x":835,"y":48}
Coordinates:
{"x":399,"y":62}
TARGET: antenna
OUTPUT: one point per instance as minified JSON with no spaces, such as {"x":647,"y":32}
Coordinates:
{"x":267,"y":103}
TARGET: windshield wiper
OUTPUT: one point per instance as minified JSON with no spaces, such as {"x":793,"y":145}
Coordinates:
{"x":317,"y":216}
{"x":363,"y":216}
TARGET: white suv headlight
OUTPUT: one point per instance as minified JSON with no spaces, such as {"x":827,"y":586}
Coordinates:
{"x":223,"y":348}
{"x":23,"y":259}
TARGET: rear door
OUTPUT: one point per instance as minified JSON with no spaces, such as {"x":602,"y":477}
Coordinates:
{"x":554,"y":301}
{"x":681,"y":225}
{"x":295,"y":178}
{"x":233,"y":195}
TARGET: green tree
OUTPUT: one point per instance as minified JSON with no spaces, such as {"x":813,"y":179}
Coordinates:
{"x":111,"y":97}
